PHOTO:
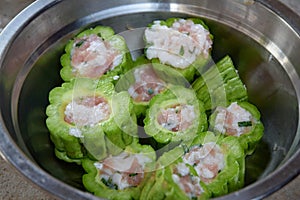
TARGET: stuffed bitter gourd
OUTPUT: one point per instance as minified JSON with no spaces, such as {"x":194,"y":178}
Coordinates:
{"x":220,"y":85}
{"x":231,"y":175}
{"x":122,"y":176}
{"x":210,"y":167}
{"x":182,"y":44}
{"x":175,"y":115}
{"x":95,"y":52}
{"x":162,"y":186}
{"x":142,"y":83}
{"x":85,"y":116}
{"x":239,"y":119}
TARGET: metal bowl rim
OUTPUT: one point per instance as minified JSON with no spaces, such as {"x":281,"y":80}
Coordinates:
{"x":14,"y":155}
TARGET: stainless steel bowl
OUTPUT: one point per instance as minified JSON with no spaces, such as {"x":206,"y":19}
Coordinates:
{"x":261,"y":36}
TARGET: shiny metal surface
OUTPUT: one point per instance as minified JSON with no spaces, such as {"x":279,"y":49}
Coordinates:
{"x":262,"y":37}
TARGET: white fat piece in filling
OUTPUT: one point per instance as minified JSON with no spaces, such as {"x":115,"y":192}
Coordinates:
{"x":178,"y":45}
{"x":208,"y":160}
{"x":147,"y":84}
{"x":119,"y":169}
{"x":75,"y":132}
{"x":227,"y":120}
{"x":86,"y":115}
{"x":188,"y":183}
{"x":179,"y":118}
{"x":94,"y":56}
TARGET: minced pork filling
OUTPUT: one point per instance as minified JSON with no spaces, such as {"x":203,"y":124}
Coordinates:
{"x":178,"y":45}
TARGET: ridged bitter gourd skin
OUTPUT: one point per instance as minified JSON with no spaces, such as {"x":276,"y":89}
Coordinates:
{"x":169,"y":100}
{"x":231,"y":177}
{"x":110,"y":41}
{"x":250,"y":138}
{"x":88,"y":135}
{"x":108,"y":189}
{"x":220,"y":85}
{"x":162,"y":185}
{"x":145,"y":80}
{"x":142,"y":83}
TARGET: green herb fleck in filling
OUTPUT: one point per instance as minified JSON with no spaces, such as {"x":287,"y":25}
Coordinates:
{"x":181,"y":51}
{"x":244,"y":123}
{"x":78,"y":44}
{"x":109,"y":183}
